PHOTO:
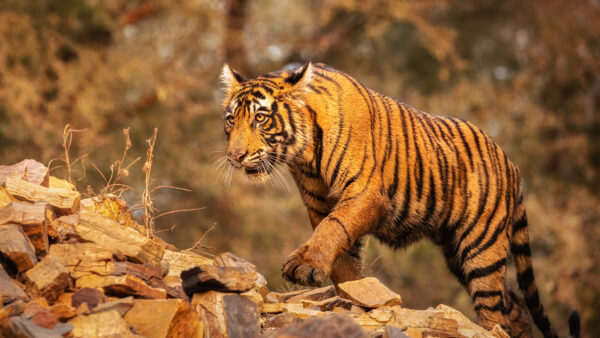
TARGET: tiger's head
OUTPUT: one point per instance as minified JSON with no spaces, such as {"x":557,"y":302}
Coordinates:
{"x":264,"y":120}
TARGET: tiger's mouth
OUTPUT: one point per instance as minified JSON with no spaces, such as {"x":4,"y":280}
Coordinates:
{"x":254,"y":170}
{"x":258,"y":173}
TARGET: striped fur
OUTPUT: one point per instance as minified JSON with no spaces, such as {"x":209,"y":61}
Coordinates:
{"x":365,"y":164}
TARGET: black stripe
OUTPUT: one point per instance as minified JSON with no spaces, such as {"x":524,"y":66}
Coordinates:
{"x":520,"y":249}
{"x":520,"y":224}
{"x":486,"y":271}
{"x":486,"y":294}
{"x":336,"y":170}
{"x":525,"y":278}
{"x":317,"y":140}
{"x":498,"y":307}
{"x":343,"y":228}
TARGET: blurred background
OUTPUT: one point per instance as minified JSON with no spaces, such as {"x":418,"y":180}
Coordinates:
{"x":526,"y":72}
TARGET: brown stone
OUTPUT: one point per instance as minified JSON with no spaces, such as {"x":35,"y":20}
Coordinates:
{"x":14,"y":309}
{"x":45,"y":318}
{"x":28,"y":170}
{"x":135,"y":246}
{"x":5,"y":197}
{"x":283,"y":296}
{"x":254,"y":296}
{"x":208,"y":277}
{"x":368,"y":292}
{"x":179,"y":261}
{"x":34,"y":306}
{"x":82,"y":259}
{"x":329,"y":304}
{"x":124,"y":285}
{"x":35,"y":220}
{"x":10,"y":291}
{"x":22,"y":327}
{"x":63,"y":201}
{"x":63,"y":311}
{"x":49,"y":278}
{"x":93,"y":297}
{"x":103,"y":324}
{"x":55,"y":182}
{"x":163,"y":318}
{"x":226,"y":315}
{"x":335,"y":326}
{"x":64,"y":227}
{"x":231,"y":260}
{"x":15,"y":246}
{"x":314,"y":294}
{"x":393,"y":332}
{"x":121,"y":305}
{"x":280,"y":320}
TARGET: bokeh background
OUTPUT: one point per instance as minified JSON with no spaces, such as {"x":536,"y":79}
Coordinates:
{"x":526,"y":72}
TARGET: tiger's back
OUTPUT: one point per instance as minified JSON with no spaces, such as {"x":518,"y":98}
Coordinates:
{"x":368,"y":164}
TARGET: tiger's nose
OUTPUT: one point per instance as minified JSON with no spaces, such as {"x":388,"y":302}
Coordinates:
{"x":238,"y":157}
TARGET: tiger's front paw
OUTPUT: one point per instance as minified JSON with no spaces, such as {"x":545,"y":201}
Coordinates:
{"x":302,"y":268}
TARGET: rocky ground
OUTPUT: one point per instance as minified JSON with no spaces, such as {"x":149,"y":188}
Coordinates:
{"x":73,"y":267}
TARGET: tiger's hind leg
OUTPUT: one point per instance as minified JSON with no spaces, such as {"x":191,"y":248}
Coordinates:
{"x":486,"y":284}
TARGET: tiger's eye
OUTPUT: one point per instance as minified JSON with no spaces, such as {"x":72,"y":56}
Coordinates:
{"x":230,"y":119}
{"x":260,"y":117}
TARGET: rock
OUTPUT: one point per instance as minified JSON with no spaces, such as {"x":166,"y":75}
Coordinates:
{"x":282,"y":297}
{"x":63,"y":201}
{"x":208,"y":277}
{"x":93,"y":297}
{"x":298,"y":310}
{"x":121,"y":286}
{"x":329,"y":304}
{"x":103,"y":324}
{"x":231,"y":260}
{"x":15,"y":246}
{"x":14,"y":309}
{"x":280,"y":320}
{"x":35,"y":219}
{"x":465,"y":326}
{"x":393,"y":332}
{"x":21,"y":327}
{"x":9,"y":290}
{"x":5,"y":197}
{"x":180,"y":261}
{"x":83,"y":259}
{"x":254,"y":296}
{"x":103,"y":230}
{"x":122,"y":306}
{"x":63,"y":311}
{"x":45,"y":318}
{"x":163,"y":318}
{"x":314,"y":294}
{"x":29,"y":170}
{"x":34,"y":306}
{"x":55,"y":182}
{"x":49,"y":278}
{"x":335,"y":325}
{"x":64,"y":228}
{"x":368,"y":292}
{"x":226,"y":315}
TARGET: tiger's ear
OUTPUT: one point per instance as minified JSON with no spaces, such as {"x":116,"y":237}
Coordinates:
{"x":230,"y":78}
{"x":299,"y":78}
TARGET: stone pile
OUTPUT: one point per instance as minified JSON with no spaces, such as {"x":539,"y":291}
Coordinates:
{"x":73,"y":267}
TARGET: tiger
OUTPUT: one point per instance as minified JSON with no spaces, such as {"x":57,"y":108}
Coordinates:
{"x":367,"y":164}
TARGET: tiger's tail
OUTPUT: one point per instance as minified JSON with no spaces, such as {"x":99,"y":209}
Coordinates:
{"x":519,"y":247}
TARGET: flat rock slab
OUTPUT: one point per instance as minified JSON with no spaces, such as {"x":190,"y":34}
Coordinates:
{"x":103,"y":324}
{"x":83,"y":258}
{"x":63,"y":201}
{"x":334,"y":326}
{"x":121,"y":286}
{"x":49,"y":278}
{"x":35,"y":219}
{"x":179,"y":261}
{"x":103,"y":230}
{"x":369,"y":292}
{"x":29,"y":170}
{"x":163,"y":318}
{"x":122,"y":306}
{"x":226,"y":315}
{"x":15,"y":246}
{"x":329,"y":304}
{"x":314,"y":295}
{"x":92,"y":297}
{"x":9,"y":290}
{"x":207,"y":277}
{"x":22,"y":327}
